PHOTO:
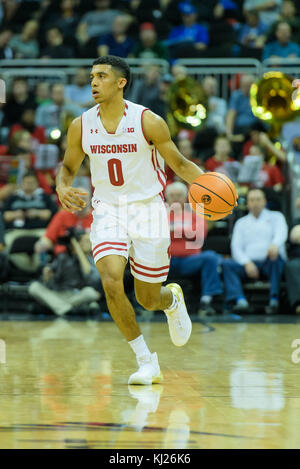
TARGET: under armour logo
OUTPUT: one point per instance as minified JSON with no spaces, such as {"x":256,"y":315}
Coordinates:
{"x":92,"y":131}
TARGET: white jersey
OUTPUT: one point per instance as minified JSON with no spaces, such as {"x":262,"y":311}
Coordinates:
{"x":123,"y":163}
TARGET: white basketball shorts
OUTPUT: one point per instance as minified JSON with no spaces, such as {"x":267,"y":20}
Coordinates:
{"x":139,"y":231}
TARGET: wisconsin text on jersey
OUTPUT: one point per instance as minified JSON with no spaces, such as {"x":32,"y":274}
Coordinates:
{"x":124,"y":148}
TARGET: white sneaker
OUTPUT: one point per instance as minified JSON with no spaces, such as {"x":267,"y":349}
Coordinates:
{"x":148,"y":372}
{"x":180,"y":325}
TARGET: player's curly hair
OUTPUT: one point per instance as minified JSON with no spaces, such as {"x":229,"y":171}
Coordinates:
{"x":118,"y":64}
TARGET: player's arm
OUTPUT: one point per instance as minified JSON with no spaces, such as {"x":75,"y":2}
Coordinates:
{"x":70,"y":196}
{"x":157,"y":132}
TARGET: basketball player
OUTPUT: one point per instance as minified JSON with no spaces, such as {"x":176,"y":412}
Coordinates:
{"x":127,"y":145}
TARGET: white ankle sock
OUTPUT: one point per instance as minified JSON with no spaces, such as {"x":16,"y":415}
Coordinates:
{"x":139,"y":347}
{"x":174,"y":303}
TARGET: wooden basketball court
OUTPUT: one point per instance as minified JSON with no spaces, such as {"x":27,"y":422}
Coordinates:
{"x":64,"y":385}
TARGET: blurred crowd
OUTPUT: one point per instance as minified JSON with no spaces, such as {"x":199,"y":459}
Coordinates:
{"x":149,"y":28}
{"x":48,"y":248}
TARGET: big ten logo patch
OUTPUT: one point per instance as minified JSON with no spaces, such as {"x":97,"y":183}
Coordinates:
{"x":2,"y":91}
{"x":2,"y":351}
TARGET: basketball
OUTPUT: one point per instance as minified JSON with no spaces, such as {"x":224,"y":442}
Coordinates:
{"x":212,"y":195}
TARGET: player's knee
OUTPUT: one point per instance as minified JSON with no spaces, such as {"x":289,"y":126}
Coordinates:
{"x":148,"y":302}
{"x":112,"y":286}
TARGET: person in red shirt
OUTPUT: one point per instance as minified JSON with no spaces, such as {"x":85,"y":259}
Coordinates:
{"x":58,"y":227}
{"x":222,"y":148}
{"x":259,"y":136}
{"x":37,"y":132}
{"x":270,"y":175}
{"x":188,"y":232}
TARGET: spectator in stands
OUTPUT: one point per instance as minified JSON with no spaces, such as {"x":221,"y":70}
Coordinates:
{"x":80,"y":91}
{"x":69,"y":280}
{"x":259,"y":136}
{"x":51,"y":115}
{"x":145,"y":91}
{"x":270,"y":175}
{"x":19,"y":100}
{"x":161,"y":105}
{"x":117,"y":42}
{"x":240,"y":116}
{"x":2,"y":231}
{"x":27,"y":122}
{"x":252,"y":34}
{"x":188,"y":232}
{"x":190,"y":39}
{"x":148,"y":46}
{"x":258,"y":248}
{"x":55,"y":48}
{"x":222,"y":148}
{"x":185,"y":147}
{"x":17,"y":12}
{"x":42,"y":93}
{"x":292,"y":268}
{"x":26,"y":213}
{"x":288,"y":14}
{"x":66,"y":18}
{"x":25,"y":45}
{"x":283,"y":47}
{"x":21,"y":146}
{"x":29,"y":208}
{"x":97,"y":22}
{"x":217,"y":107}
{"x":59,"y":226}
{"x":3,"y":254}
{"x":268,"y":9}
{"x":6,"y":51}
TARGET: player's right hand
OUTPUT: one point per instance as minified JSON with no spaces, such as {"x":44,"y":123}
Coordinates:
{"x":70,"y":198}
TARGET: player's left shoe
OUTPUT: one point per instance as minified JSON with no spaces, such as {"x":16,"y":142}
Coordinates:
{"x":148,"y":372}
{"x":180,"y":324}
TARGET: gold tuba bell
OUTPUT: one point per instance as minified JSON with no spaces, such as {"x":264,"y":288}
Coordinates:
{"x":187,"y":104}
{"x":274,"y":100}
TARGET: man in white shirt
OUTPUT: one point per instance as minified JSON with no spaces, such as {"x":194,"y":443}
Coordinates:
{"x":258,"y":249}
{"x":217,"y":107}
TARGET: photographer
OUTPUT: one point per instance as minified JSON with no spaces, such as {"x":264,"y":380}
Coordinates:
{"x":71,"y":279}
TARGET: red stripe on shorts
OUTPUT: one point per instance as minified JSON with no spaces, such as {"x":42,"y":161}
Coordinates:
{"x":108,"y":249}
{"x":108,"y":242}
{"x":148,"y":268}
{"x":162,"y":274}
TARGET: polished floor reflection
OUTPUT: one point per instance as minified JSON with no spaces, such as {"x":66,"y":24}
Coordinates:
{"x":64,"y":385}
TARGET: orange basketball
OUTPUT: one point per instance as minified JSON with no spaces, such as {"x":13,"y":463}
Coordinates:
{"x":212,"y":195}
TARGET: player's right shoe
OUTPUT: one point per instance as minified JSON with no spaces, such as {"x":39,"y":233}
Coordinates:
{"x":180,"y":324}
{"x":148,"y":372}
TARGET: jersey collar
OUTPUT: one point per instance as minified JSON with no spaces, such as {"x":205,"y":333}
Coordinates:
{"x":121,"y":127}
